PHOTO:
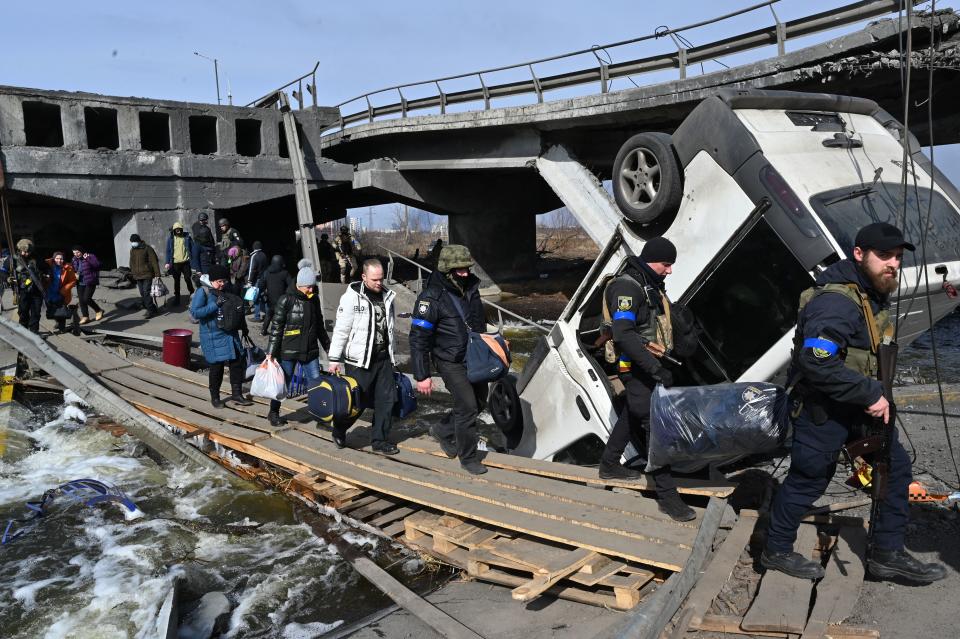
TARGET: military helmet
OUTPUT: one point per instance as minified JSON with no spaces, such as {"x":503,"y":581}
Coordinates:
{"x":454,"y":256}
{"x":223,"y":222}
{"x":204,"y":217}
{"x":25,"y":246}
{"x":344,"y":229}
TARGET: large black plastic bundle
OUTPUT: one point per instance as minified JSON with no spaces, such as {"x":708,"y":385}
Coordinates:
{"x":691,"y":427}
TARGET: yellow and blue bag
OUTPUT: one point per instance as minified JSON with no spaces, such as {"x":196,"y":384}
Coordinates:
{"x":335,"y":400}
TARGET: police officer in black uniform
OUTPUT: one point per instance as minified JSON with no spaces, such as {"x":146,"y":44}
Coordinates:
{"x":834,"y":372}
{"x":639,"y":308}
{"x":204,"y":245}
{"x":449,"y":304}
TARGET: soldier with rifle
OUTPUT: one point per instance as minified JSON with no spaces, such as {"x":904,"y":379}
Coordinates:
{"x":29,"y":285}
{"x":841,"y":378}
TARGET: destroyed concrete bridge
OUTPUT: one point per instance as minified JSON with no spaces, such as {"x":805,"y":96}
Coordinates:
{"x":125,"y":165}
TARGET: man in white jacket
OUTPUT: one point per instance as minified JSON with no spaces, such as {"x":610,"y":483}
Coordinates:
{"x":363,"y":340}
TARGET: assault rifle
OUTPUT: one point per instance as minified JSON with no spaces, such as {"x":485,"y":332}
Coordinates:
{"x":879,"y":440}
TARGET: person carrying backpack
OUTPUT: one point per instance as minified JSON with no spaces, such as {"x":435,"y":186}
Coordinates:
{"x":298,"y":334}
{"x":221,"y":323}
{"x":273,"y":283}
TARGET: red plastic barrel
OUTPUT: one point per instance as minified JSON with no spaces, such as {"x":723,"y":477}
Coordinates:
{"x":176,"y":346}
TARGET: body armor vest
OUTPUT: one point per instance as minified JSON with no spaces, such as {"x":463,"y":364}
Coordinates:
{"x":879,"y":327}
{"x":658,"y":331}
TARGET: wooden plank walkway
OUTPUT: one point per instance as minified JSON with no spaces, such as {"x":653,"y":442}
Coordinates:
{"x":591,"y":538}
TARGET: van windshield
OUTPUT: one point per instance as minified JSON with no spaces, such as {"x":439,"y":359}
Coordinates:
{"x":844,"y":216}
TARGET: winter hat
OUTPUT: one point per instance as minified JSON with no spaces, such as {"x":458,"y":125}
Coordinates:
{"x":454,"y":256}
{"x":135,"y":238}
{"x":177,"y":225}
{"x":204,"y":217}
{"x":304,"y":263}
{"x":258,"y":246}
{"x":306,"y":276}
{"x":217,"y":272}
{"x":25,"y":245}
{"x":659,"y":249}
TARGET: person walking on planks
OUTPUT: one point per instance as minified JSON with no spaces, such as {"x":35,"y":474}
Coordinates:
{"x":144,"y":266}
{"x":221,"y":324}
{"x":298,"y":333}
{"x":642,"y":334}
{"x":363,"y":339}
{"x":439,"y":332}
{"x":59,"y":290}
{"x":87,"y":267}
{"x":836,"y":393}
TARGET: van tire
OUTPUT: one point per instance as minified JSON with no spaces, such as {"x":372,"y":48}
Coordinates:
{"x":503,"y":403}
{"x":647,"y":181}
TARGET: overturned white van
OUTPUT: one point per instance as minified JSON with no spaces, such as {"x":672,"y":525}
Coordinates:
{"x":759,"y":191}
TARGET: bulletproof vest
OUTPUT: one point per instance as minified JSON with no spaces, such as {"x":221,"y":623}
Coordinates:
{"x":658,"y":330}
{"x":879,"y":327}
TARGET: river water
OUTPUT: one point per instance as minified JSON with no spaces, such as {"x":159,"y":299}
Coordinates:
{"x":87,"y":572}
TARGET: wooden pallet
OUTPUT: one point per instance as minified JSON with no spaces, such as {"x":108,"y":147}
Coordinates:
{"x":781,"y":605}
{"x":531,"y":567}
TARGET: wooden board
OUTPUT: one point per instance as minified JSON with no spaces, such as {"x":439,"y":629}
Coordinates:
{"x":423,"y":487}
{"x":731,"y":625}
{"x":634,"y":507}
{"x":719,"y":569}
{"x":507,"y":497}
{"x":783,"y":602}
{"x":183,"y":418}
{"x":839,"y":590}
{"x":570,"y":472}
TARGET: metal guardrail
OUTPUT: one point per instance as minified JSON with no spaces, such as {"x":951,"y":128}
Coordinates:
{"x":272,"y":99}
{"x":778,"y":34}
{"x":501,"y":311}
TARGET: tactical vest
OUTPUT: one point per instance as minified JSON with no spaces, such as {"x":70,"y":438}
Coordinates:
{"x":879,"y":327}
{"x":658,"y":330}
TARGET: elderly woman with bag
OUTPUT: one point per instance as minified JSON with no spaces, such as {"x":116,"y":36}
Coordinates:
{"x":220,"y":328}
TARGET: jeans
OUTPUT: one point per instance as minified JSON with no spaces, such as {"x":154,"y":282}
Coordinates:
{"x":259,"y":306}
{"x":144,"y":287}
{"x":468,"y":400}
{"x":85,"y":299}
{"x":634,"y":423}
{"x":310,"y":371}
{"x":380,"y":390}
{"x":179,"y":269}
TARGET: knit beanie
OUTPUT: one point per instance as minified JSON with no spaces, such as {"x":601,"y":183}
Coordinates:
{"x":217,"y":272}
{"x":306,"y":276}
{"x":304,"y":263}
{"x":659,"y":249}
{"x":135,"y":238}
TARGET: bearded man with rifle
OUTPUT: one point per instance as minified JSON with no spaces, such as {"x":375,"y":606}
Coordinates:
{"x":841,"y":376}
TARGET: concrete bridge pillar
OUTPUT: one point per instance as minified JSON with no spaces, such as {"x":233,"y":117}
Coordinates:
{"x":153,"y":227}
{"x":503,"y":244}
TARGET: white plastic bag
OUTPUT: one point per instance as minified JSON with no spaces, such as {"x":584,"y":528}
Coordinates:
{"x":268,"y":381}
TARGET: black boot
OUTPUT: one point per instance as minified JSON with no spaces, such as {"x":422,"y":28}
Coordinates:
{"x":215,"y":399}
{"x":176,"y":301}
{"x":617,"y":471}
{"x":474,"y":467}
{"x":339,"y":437}
{"x":449,"y":448}
{"x":238,"y":397}
{"x":275,"y":419}
{"x":385,"y":448}
{"x":885,"y":564}
{"x":791,"y":563}
{"x":671,"y":505}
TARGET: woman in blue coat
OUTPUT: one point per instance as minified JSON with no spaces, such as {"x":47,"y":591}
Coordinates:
{"x":220,"y":347}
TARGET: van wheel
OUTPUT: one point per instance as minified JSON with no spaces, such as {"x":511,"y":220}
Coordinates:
{"x":504,"y":406}
{"x":647,"y":182}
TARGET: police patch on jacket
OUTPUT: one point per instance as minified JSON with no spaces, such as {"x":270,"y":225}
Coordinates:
{"x":423,"y":307}
{"x":624,"y":302}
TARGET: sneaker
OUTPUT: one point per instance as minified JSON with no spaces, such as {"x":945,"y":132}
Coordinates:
{"x":385,"y":448}
{"x":84,"y":320}
{"x":885,"y":564}
{"x":671,"y":505}
{"x":618,"y":471}
{"x":474,"y":468}
{"x":449,"y":448}
{"x":98,"y":316}
{"x":791,"y":563}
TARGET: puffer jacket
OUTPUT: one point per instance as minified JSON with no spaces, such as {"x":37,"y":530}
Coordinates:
{"x":354,"y":334}
{"x":275,"y":281}
{"x":68,"y":280}
{"x":298,"y":331}
{"x":437,"y":328}
{"x":88,"y":269}
{"x":217,"y":344}
{"x":144,"y":264}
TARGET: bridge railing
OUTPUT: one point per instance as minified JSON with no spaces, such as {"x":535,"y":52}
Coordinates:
{"x":272,"y":99}
{"x":604,"y":72}
{"x":421,"y":269}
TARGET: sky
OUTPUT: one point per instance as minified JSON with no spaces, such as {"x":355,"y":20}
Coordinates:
{"x":147,"y":49}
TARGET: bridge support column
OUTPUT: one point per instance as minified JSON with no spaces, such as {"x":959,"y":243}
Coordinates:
{"x":153,"y":227}
{"x":504,"y":244}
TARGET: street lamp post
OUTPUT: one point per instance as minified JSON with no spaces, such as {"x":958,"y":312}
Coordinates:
{"x":216,"y":71}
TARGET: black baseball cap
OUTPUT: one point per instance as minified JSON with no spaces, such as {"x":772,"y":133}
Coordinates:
{"x":881,"y":236}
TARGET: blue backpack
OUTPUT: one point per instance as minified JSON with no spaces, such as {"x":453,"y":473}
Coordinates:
{"x":484,"y":364}
{"x":406,"y":399}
